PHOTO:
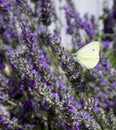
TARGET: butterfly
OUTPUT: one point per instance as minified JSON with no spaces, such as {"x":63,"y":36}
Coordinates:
{"x":88,"y":55}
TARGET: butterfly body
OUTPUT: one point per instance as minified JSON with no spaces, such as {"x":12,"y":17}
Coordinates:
{"x":88,"y":56}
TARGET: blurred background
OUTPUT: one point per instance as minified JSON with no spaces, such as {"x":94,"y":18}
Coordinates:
{"x":91,"y":7}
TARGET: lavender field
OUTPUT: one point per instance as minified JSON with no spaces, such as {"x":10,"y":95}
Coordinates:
{"x":42,"y":86}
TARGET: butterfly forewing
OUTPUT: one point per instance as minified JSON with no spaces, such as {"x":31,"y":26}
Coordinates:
{"x":88,"y":56}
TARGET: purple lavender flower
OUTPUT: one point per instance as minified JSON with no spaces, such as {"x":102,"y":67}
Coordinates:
{"x":45,"y":12}
{"x":106,"y":45}
{"x":78,"y":26}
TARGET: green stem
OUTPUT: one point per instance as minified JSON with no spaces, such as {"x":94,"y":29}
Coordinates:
{"x":10,"y":102}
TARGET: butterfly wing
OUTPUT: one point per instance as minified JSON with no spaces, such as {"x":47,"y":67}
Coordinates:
{"x":88,"y":56}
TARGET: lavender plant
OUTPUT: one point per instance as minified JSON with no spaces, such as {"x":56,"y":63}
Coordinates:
{"x":109,"y":30}
{"x":41,"y":86}
{"x":105,"y":83}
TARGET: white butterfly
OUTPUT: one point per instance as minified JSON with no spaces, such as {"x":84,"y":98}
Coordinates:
{"x":88,"y":56}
